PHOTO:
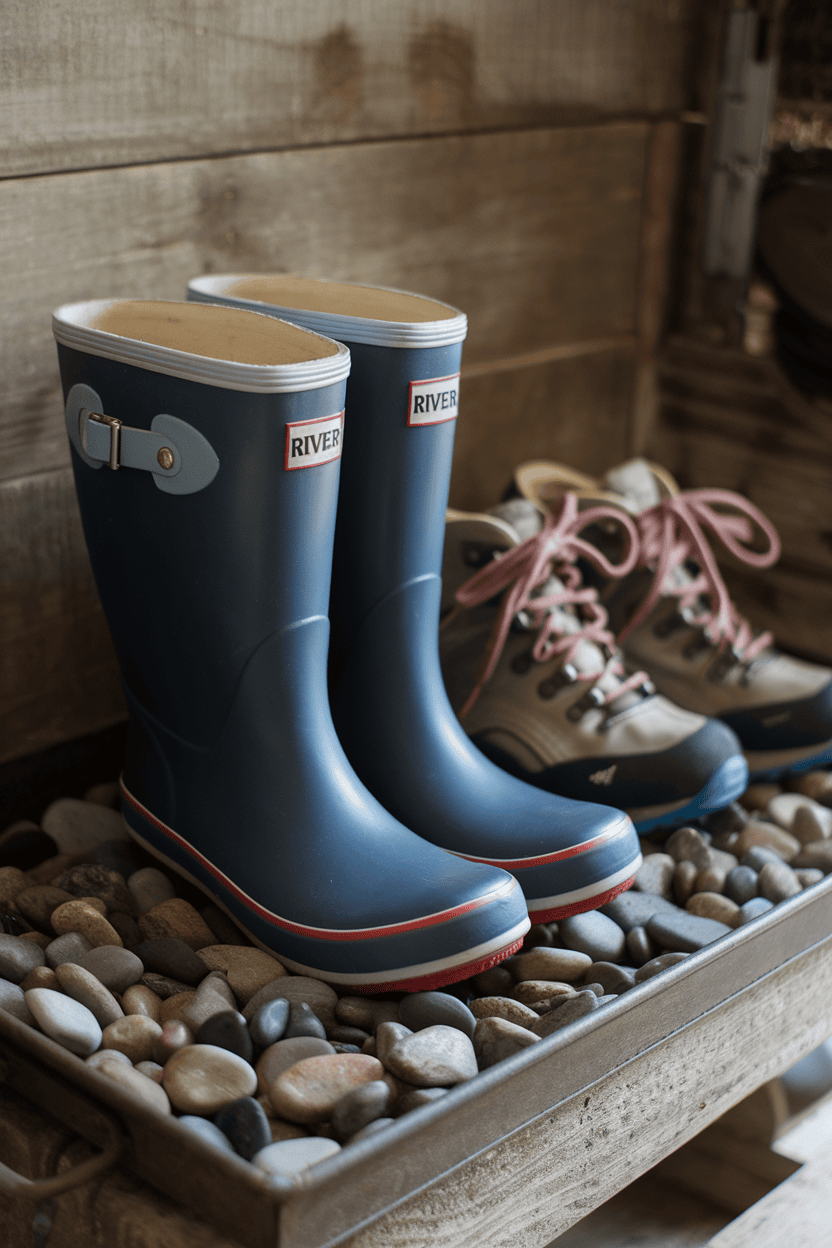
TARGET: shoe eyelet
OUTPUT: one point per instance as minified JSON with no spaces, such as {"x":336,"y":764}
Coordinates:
{"x":550,"y":685}
{"x":593,"y":699}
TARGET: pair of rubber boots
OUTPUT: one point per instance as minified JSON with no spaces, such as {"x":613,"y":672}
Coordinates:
{"x":207,"y":444}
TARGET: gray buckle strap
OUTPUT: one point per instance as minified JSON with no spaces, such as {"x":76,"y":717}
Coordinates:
{"x":181,"y":460}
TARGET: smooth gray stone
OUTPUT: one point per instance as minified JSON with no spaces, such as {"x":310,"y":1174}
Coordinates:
{"x":165,"y":955}
{"x":689,"y":845}
{"x":18,"y":957}
{"x":657,"y":965}
{"x":292,"y":1157}
{"x":371,"y":1128}
{"x":741,"y":884}
{"x":729,"y":819}
{"x":817,"y":855}
{"x":598,"y":989}
{"x":77,"y":826}
{"x":227,"y":1030}
{"x":631,"y":909}
{"x":13,"y":1001}
{"x":640,"y":948}
{"x":777,"y":882}
{"x":269,"y":1023}
{"x":206,"y":1130}
{"x":352,"y":1037}
{"x":435,"y":1057}
{"x":752,"y":910}
{"x":117,"y":969}
{"x":607,"y":997}
{"x":655,"y":875}
{"x":359,"y":1107}
{"x":757,"y":856}
{"x":573,"y":1008}
{"x":303,"y":1021}
{"x":245,"y":1124}
{"x":427,"y":1009}
{"x":416,"y":1099}
{"x":612,"y":978}
{"x":683,"y":932}
{"x":65,"y":1020}
{"x":495,"y":1039}
{"x":388,"y":1036}
{"x":593,"y":934}
{"x":149,"y":887}
{"x":71,"y":947}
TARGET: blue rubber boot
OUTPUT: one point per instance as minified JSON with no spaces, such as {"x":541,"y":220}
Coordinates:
{"x":212,"y":546}
{"x":391,"y":710}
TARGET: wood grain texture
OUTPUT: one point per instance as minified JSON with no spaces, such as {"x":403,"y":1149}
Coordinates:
{"x":87,"y":83}
{"x":58,"y":671}
{"x":797,"y":1213}
{"x":524,"y":1191}
{"x":572,"y":410}
{"x":533,"y":233}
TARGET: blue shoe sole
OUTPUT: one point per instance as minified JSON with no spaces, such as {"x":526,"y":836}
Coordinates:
{"x":724,"y":787}
{"x":821,"y":759}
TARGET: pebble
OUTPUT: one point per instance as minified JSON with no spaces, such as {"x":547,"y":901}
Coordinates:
{"x":655,"y":875}
{"x":757,"y":857}
{"x":288,"y":1158}
{"x":226,"y":932}
{"x":809,"y":876}
{"x":13,"y":924}
{"x":729,"y":819}
{"x":285,"y":1053}
{"x":117,"y":969}
{"x":640,"y":948}
{"x":758,"y":796}
{"x":213,"y":996}
{"x":503,"y":1007}
{"x":371,"y":1128}
{"x":172,"y":958}
{"x":538,"y":993}
{"x":690,"y":845}
{"x":36,"y":904}
{"x":107,"y":793}
{"x":561,"y":965}
{"x":107,"y":1055}
{"x":72,"y":947}
{"x":778,"y":882}
{"x":303,"y":1022}
{"x":93,"y":880}
{"x":134,"y":1035}
{"x":127,"y":928}
{"x":81,"y":916}
{"x":438,"y":1056}
{"x":357,"y":1108}
{"x":175,"y":1035}
{"x":77,"y":826}
{"x":149,"y":887}
{"x":348,"y":1038}
{"x":12,"y":882}
{"x":538,"y":934}
{"x":147,"y":1090}
{"x":45,"y":872}
{"x":307,"y":1092}
{"x":807,"y":827}
{"x":200,"y":1079}
{"x":66,"y":1021}
{"x":575,"y":1007}
{"x":741,"y":884}
{"x":18,"y":958}
{"x":176,"y":1007}
{"x":752,"y":910}
{"x":36,"y":938}
{"x":496,"y":1039}
{"x":495,"y":982}
{"x":387,"y":1037}
{"x":369,"y":1012}
{"x":714,"y":906}
{"x":611,"y":977}
{"x":684,"y":882}
{"x":814,"y":784}
{"x":245,"y":1125}
{"x":783,"y":808}
{"x":123,"y":856}
{"x":767,"y":836}
{"x":657,"y":965}
{"x":248,"y":969}
{"x":416,"y":1098}
{"x":683,"y":933}
{"x":319,"y":996}
{"x":153,"y":1070}
{"x":269,"y":1023}
{"x":179,"y":919}
{"x":427,"y":1009}
{"x":594,"y":934}
{"x":13,"y":1001}
{"x":817,"y":855}
{"x":636,"y":909}
{"x":84,"y":987}
{"x":711,"y":880}
{"x":207,"y":1131}
{"x":227,"y":1030}
{"x":162,"y":985}
{"x":40,"y":977}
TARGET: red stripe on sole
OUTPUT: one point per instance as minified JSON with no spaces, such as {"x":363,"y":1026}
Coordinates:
{"x":580,"y":907}
{"x":441,"y":978}
{"x":559,"y":855}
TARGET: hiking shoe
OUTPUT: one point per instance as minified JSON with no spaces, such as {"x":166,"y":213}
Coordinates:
{"x":534,"y":673}
{"x":673,"y":615}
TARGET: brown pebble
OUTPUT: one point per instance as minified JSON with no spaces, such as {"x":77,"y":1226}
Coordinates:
{"x":495,"y":1039}
{"x":36,"y":904}
{"x":807,"y":828}
{"x":307,"y":1092}
{"x":758,"y":796}
{"x":179,"y":919}
{"x":770,"y":836}
{"x":107,"y":793}
{"x":49,"y":870}
{"x":138,"y":999}
{"x":84,"y":987}
{"x":713,"y":906}
{"x":711,"y":880}
{"x":146,"y":1090}
{"x":213,"y":996}
{"x":248,"y":969}
{"x":655,"y":875}
{"x":201,"y":1078}
{"x":81,"y":916}
{"x":494,"y":983}
{"x":684,"y":882}
{"x":176,"y":1006}
{"x":41,"y":977}
{"x":175,"y":1035}
{"x":285,"y":1053}
{"x":134,"y":1035}
{"x":512,"y":1011}
{"x":366,"y":1012}
{"x":814,"y":784}
{"x":777,"y":882}
{"x":560,"y":965}
{"x":12,"y":882}
{"x":688,"y":845}
{"x":534,"y":992}
{"x":320,"y":997}
{"x":37,"y":938}
{"x":807,"y":876}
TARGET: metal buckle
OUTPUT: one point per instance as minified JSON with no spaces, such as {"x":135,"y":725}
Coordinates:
{"x":115,"y":436}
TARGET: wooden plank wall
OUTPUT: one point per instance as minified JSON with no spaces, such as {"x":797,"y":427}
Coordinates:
{"x":515,"y":159}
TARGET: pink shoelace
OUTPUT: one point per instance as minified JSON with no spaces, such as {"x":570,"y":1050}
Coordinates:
{"x":675,"y":531}
{"x":527,"y":566}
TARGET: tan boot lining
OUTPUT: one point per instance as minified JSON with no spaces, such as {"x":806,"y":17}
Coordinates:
{"x":216,"y":332}
{"x":339,"y":298}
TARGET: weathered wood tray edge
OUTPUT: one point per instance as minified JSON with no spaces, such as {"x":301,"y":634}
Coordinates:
{"x":349,"y":1191}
